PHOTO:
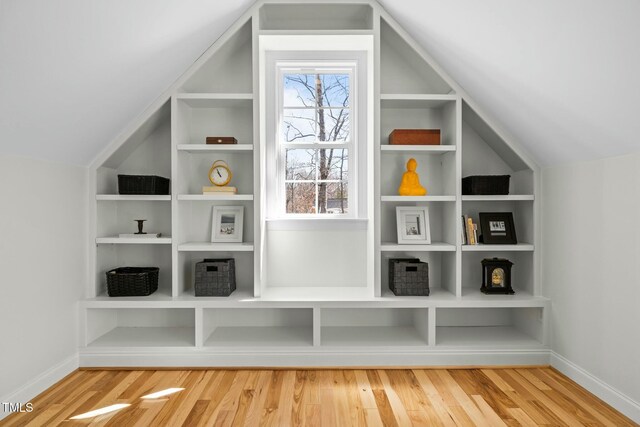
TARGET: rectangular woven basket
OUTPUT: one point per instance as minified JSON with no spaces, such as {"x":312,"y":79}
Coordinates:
{"x":132,"y":281}
{"x":408,"y":277}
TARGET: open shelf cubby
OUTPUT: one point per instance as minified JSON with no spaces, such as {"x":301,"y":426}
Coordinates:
{"x":371,"y":327}
{"x":513,"y":328}
{"x":187,"y":265}
{"x":442,"y":270}
{"x":258,"y":327}
{"x":149,"y":327}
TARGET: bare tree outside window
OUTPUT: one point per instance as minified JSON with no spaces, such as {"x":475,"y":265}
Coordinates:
{"x":316,"y":111}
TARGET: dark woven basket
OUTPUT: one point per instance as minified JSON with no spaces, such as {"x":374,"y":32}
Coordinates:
{"x":132,"y":281}
{"x":215,"y":277}
{"x":479,"y":185}
{"x":143,"y":184}
{"x":408,"y":277}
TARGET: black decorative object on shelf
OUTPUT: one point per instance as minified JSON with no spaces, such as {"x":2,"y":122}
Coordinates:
{"x":496,"y":276}
{"x":215,"y":277}
{"x":132,"y":281}
{"x":143,"y":184}
{"x":484,"y":185}
{"x":140,"y":226}
{"x":408,"y":277}
{"x":497,"y":228}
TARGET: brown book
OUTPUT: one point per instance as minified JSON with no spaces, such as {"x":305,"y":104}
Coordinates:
{"x":415,"y":137}
{"x":221,"y":140}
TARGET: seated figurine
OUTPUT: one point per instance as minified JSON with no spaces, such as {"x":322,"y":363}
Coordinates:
{"x":410,"y":185}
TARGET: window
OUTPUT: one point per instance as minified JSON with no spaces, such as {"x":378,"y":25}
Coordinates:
{"x":316,"y":139}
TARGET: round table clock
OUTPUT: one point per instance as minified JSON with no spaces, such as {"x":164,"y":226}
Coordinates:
{"x":220,"y":173}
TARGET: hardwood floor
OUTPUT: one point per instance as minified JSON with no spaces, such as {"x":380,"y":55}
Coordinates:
{"x":398,"y":397}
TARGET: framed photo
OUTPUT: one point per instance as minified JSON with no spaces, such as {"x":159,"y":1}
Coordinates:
{"x":497,"y":228}
{"x":413,"y":225}
{"x":227,"y":224}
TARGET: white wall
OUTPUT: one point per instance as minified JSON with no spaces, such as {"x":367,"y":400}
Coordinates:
{"x":42,"y":267}
{"x":591,"y":267}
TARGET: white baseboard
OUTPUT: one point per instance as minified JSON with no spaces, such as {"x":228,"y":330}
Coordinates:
{"x":356,"y":358}
{"x":604,"y":391}
{"x":40,"y":383}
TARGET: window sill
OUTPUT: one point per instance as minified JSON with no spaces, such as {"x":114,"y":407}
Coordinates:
{"x":319,"y":224}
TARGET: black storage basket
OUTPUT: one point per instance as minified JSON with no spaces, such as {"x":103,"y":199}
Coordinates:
{"x":132,"y":281}
{"x":408,"y":277}
{"x":479,"y":185}
{"x":215,"y":277}
{"x":143,"y":184}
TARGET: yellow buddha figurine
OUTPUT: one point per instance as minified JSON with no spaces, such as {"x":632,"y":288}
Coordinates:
{"x":410,"y":185}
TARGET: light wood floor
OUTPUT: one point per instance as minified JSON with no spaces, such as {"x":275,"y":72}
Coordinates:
{"x":459,"y":397}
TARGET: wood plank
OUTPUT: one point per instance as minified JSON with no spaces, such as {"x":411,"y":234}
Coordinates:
{"x":254,"y":411}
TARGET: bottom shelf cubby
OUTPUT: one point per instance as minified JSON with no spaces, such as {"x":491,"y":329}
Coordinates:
{"x":353,"y":327}
{"x":490,"y":327}
{"x":258,"y":327}
{"x":135,"y":327}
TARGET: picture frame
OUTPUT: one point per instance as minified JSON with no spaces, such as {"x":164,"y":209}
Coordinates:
{"x":412,"y":223}
{"x":227,"y":224}
{"x":498,"y":228}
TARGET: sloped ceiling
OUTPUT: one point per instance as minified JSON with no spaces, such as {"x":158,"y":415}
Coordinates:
{"x":563,"y":77}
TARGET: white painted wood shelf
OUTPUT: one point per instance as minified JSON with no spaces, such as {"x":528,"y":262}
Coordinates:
{"x":417,"y":149}
{"x":427,"y":198}
{"x":415,"y":100}
{"x":260,"y":336}
{"x":500,"y":198}
{"x":213,"y":148}
{"x":371,"y":336}
{"x":520,"y":247}
{"x":138,"y":198}
{"x":485,"y":337}
{"x":147,"y":336}
{"x":133,"y":241}
{"x":433,"y":247}
{"x":214,"y":197}
{"x":215,"y":247}
{"x":215,"y":100}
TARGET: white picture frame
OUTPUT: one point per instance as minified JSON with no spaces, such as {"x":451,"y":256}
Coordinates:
{"x":412,"y":224}
{"x":227,"y":224}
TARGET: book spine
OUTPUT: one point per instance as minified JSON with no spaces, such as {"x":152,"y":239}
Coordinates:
{"x":464,"y":231}
{"x":470,"y":233}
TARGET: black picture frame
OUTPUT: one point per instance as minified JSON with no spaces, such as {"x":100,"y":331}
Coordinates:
{"x":498,"y":228}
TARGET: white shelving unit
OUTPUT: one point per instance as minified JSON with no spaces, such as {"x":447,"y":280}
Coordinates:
{"x":297,"y":325}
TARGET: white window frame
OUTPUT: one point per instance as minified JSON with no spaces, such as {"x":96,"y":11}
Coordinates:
{"x":317,"y":67}
{"x":337,"y":48}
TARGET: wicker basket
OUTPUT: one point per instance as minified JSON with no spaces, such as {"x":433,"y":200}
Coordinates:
{"x":143,"y":184}
{"x":408,"y":276}
{"x":132,"y":281}
{"x":485,"y":185}
{"x":215,"y":277}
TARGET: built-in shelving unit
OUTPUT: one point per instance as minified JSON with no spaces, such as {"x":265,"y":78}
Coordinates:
{"x":297,"y":324}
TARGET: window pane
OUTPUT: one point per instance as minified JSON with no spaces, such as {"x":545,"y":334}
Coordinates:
{"x":337,"y":125}
{"x":333,"y":163}
{"x":299,"y":125}
{"x":301,"y":198}
{"x":299,"y":90}
{"x":333,"y":198}
{"x":335,"y":90}
{"x":301,"y":164}
{"x":315,"y":90}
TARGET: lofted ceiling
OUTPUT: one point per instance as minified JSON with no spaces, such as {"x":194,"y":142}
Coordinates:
{"x":562,"y":77}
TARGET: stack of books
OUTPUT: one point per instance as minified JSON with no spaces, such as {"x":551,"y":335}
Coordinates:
{"x":469,"y":231}
{"x":219,"y":190}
